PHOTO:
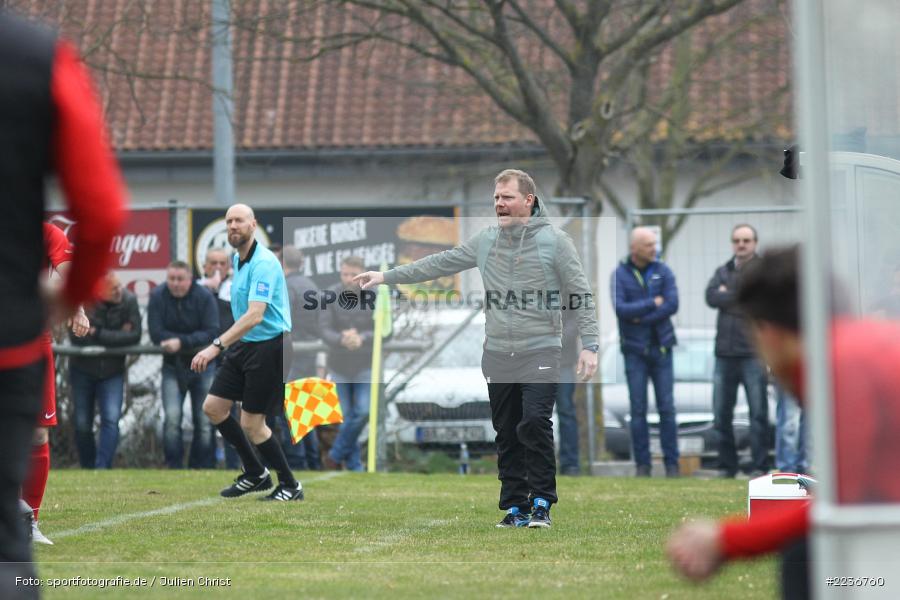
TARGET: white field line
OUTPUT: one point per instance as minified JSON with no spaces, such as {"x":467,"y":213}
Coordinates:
{"x":396,"y":537}
{"x":166,"y":510}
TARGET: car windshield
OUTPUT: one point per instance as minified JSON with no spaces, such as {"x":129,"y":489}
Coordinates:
{"x":693,"y":360}
{"x":464,"y":351}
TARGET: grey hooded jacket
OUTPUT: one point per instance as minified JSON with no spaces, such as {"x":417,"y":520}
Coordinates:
{"x":530,"y":273}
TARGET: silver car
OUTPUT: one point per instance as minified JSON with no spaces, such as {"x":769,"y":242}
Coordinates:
{"x":446,"y":403}
{"x":694,"y":364}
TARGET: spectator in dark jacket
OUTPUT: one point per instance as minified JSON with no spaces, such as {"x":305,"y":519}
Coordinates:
{"x":115,"y":322}
{"x":182,"y":316}
{"x":645,"y":297}
{"x":217,"y":279}
{"x":348,"y":329}
{"x":304,"y":455}
{"x":306,"y":327}
{"x":736,"y":361}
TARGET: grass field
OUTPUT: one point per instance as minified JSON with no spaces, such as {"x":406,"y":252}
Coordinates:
{"x":381,"y":536}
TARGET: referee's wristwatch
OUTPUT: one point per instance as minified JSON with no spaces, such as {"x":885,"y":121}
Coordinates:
{"x":218,"y":344}
{"x":595,"y":348}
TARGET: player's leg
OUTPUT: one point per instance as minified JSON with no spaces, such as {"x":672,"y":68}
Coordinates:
{"x":254,"y":426}
{"x":539,"y":376}
{"x":255,"y":476}
{"x":226,"y":389}
{"x":506,"y":413}
{"x":20,"y":401}
{"x":39,"y":468}
{"x":264,"y":395}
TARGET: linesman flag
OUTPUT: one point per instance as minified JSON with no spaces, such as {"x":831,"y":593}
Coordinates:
{"x":308,"y":403}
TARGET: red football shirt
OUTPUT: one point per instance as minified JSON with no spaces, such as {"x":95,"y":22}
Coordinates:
{"x":866,"y":389}
{"x":57,"y":246}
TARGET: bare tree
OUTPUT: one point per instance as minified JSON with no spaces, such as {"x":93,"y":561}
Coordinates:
{"x":583,"y":78}
{"x":594,"y":82}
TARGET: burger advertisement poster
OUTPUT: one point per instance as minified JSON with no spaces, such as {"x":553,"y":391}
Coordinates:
{"x":378,"y":236}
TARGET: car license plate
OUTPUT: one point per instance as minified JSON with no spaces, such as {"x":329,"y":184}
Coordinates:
{"x":686,"y":445}
{"x":447,"y":435}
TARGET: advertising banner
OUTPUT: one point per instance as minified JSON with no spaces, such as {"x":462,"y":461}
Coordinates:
{"x":142,"y":249}
{"x":390,"y":236}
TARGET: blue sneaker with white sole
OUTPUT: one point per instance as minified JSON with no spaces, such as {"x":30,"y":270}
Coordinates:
{"x":540,"y":514}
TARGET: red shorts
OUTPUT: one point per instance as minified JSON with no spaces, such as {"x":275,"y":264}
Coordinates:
{"x":47,"y":417}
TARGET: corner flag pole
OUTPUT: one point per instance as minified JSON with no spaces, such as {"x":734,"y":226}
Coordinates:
{"x":383,"y":326}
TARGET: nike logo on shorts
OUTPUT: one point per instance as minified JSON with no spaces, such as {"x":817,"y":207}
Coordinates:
{"x":49,"y":415}
{"x":543,"y":368}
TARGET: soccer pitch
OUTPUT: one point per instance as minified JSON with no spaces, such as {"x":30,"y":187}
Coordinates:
{"x":374,"y":536}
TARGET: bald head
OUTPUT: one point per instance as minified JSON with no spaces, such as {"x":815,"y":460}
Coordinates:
{"x":112,"y":289}
{"x":241,"y":225}
{"x":240,"y":209}
{"x":643,"y":246}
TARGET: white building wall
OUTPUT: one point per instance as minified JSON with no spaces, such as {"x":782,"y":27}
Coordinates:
{"x":702,"y":244}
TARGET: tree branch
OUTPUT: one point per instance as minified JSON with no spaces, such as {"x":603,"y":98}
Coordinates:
{"x":543,"y":35}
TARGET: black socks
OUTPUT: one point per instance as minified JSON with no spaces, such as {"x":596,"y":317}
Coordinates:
{"x":274,"y":455}
{"x":234,"y":435}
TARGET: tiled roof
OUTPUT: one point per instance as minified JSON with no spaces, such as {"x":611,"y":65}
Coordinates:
{"x":152,"y":64}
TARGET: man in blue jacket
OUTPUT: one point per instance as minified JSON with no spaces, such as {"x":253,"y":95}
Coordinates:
{"x":645,"y":297}
{"x":183,"y":316}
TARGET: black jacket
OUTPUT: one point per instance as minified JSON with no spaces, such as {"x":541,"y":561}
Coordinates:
{"x":334,"y":319}
{"x":26,"y":126}
{"x":305,"y":322}
{"x":193,"y":319}
{"x":116,"y":325}
{"x":731,"y":326}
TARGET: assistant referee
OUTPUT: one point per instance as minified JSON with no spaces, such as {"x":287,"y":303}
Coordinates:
{"x":252,"y":371}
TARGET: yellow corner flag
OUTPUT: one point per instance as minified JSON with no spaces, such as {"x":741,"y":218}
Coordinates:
{"x":384,"y":324}
{"x":308,"y":403}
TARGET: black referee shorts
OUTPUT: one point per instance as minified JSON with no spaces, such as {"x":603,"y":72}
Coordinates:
{"x":252,"y":373}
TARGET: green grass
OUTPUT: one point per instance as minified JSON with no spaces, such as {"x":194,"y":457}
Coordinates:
{"x":381,"y":536}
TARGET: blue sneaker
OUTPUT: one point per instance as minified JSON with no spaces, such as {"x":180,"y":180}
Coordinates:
{"x":540,"y":514}
{"x":514,"y":518}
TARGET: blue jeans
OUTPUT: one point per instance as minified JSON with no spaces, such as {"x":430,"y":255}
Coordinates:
{"x":107,"y":394}
{"x":302,"y":456}
{"x":790,"y":435}
{"x":353,"y":394}
{"x":568,"y":421}
{"x":656,"y":365}
{"x":203,"y":442}
{"x":731,"y":372}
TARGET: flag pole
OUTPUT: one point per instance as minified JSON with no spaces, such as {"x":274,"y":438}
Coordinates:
{"x":375,"y":386}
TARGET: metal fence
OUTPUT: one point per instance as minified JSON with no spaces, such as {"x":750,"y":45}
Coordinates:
{"x":140,"y":441}
{"x":703,"y":244}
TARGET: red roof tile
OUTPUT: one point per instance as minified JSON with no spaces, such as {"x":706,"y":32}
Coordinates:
{"x":152,"y":65}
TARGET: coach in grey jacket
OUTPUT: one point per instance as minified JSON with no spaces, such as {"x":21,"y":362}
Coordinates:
{"x":524,"y":262}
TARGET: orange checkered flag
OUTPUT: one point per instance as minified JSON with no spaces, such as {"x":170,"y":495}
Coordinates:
{"x":308,"y":403}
